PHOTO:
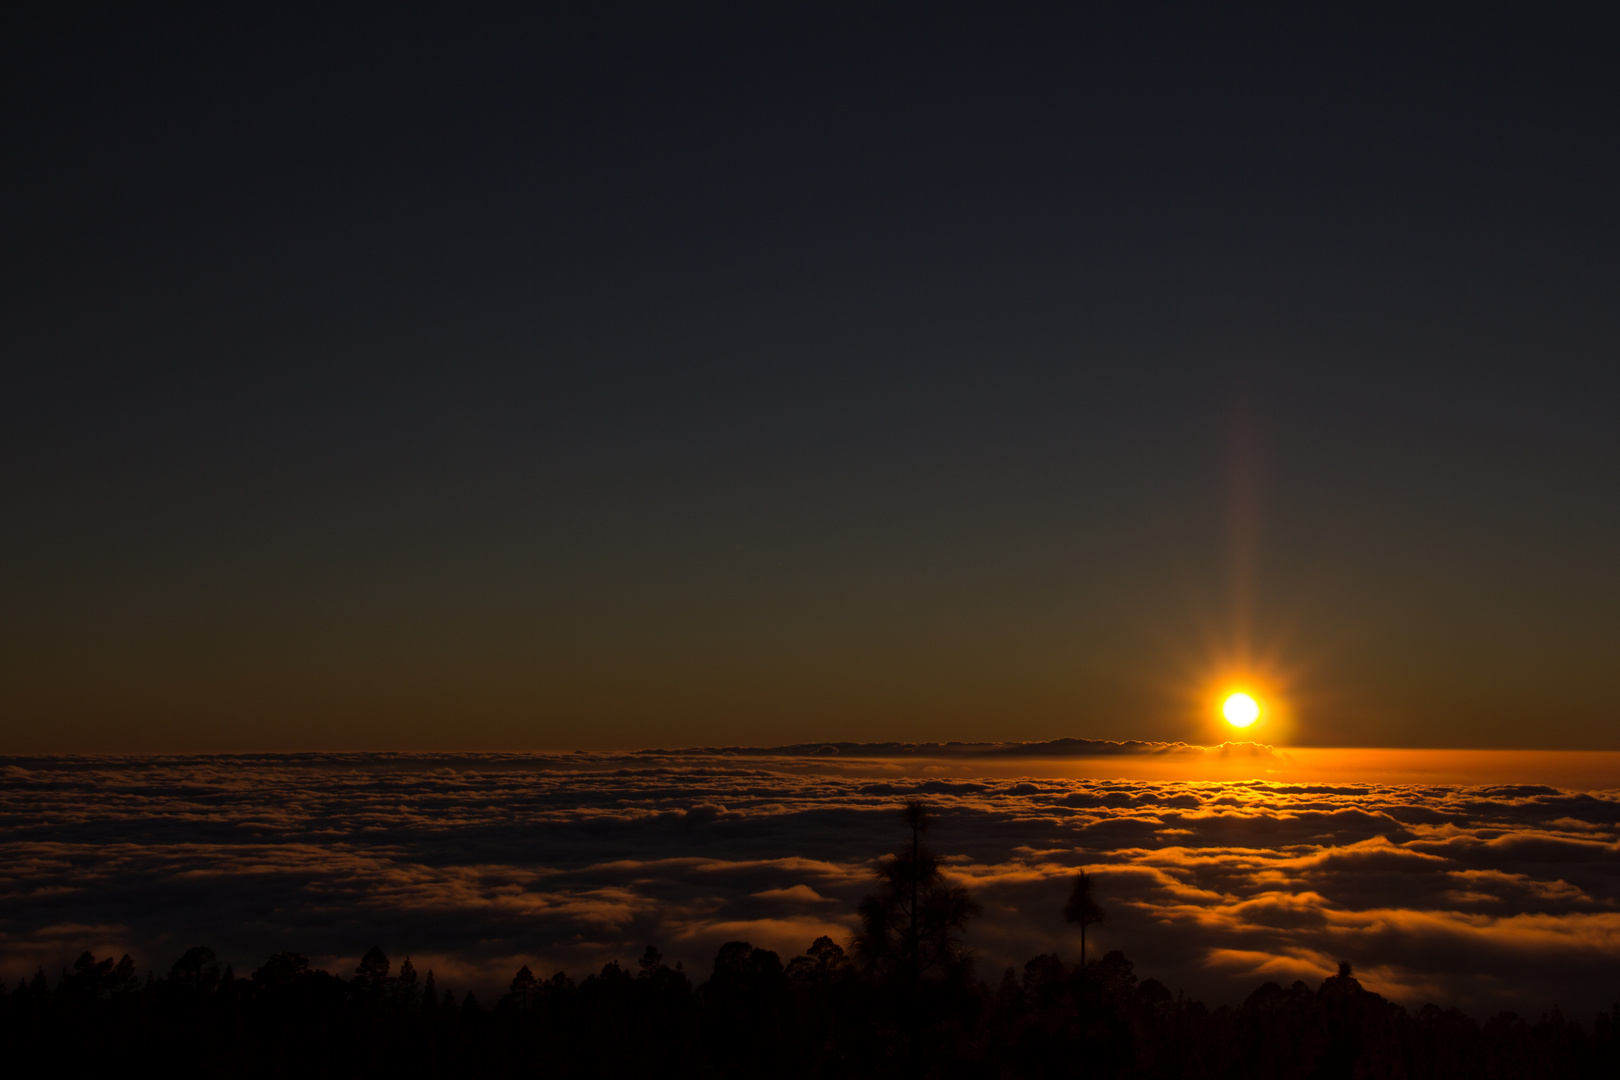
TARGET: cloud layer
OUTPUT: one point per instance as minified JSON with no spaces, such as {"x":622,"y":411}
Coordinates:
{"x":1487,"y":897}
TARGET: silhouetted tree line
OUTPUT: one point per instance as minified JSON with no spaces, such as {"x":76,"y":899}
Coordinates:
{"x":902,"y":1002}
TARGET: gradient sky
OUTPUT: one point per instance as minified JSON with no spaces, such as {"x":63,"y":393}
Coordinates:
{"x":616,"y":376}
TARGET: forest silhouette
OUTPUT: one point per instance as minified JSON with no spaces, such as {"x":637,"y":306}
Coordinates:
{"x":903,"y":1000}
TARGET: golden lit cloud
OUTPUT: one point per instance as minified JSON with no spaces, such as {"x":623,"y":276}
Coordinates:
{"x":494,"y":860}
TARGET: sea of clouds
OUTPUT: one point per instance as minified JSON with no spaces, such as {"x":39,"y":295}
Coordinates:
{"x":1482,"y":896}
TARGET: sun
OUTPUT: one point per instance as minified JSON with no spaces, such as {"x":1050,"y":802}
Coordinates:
{"x":1241,"y":710}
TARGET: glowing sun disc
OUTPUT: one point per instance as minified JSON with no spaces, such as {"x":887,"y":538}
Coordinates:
{"x":1241,"y":710}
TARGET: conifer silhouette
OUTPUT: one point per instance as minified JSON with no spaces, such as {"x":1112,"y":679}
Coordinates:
{"x":912,"y":926}
{"x":197,"y":971}
{"x":1083,"y":909}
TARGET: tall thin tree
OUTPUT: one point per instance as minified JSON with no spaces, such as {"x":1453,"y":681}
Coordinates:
{"x":912,"y":926}
{"x":1083,"y":909}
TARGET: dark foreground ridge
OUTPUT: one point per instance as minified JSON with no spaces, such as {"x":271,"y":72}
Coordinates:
{"x":820,"y":1015}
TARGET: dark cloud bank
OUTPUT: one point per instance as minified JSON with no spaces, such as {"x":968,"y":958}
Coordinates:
{"x":1487,"y":897}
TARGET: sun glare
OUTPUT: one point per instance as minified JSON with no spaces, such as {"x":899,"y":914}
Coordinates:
{"x":1241,"y":710}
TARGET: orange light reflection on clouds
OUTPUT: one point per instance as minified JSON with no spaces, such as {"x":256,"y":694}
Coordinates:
{"x":1582,"y":770}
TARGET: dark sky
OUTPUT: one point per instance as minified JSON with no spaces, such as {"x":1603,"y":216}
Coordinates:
{"x":615,"y":376}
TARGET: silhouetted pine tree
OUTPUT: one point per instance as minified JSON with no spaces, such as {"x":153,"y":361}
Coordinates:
{"x":1083,"y":910}
{"x":913,"y":925}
